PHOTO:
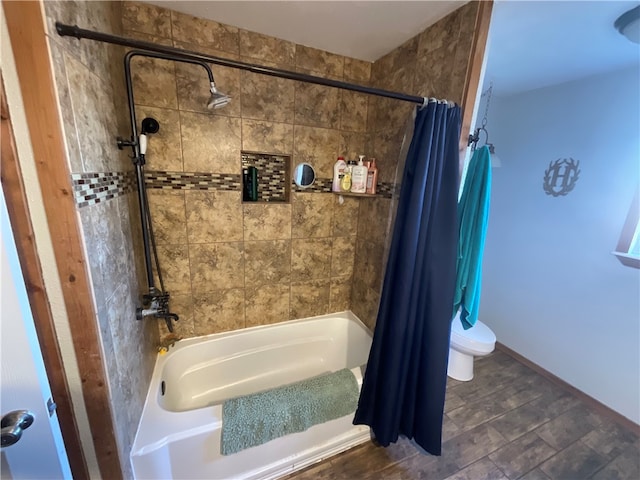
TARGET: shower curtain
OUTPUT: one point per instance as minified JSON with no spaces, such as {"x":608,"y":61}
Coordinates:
{"x":404,"y":385}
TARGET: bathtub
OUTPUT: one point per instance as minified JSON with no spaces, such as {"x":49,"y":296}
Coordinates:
{"x":179,"y":432}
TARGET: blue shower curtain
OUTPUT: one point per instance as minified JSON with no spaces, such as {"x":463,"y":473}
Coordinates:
{"x":404,"y":385}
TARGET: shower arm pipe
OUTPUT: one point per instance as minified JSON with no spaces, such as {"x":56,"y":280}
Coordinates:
{"x":138,"y":159}
{"x":77,"y":32}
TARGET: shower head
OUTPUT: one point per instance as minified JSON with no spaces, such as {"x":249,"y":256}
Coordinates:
{"x":217,"y":98}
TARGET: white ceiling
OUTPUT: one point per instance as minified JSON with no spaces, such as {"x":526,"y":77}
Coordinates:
{"x":532,"y":43}
{"x":365,"y":29}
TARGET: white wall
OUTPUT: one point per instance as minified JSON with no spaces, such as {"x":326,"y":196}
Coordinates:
{"x":552,"y":291}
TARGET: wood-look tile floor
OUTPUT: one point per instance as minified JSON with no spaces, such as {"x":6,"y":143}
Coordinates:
{"x":507,"y":423}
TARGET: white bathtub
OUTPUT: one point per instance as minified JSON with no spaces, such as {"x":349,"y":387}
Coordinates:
{"x":179,"y":433}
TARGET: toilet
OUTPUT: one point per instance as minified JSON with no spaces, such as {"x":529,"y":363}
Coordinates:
{"x":477,"y":341}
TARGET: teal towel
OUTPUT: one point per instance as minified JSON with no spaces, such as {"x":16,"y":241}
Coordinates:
{"x":473,"y":216}
{"x":255,"y":419}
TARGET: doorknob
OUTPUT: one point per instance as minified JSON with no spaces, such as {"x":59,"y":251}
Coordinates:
{"x":13,"y":424}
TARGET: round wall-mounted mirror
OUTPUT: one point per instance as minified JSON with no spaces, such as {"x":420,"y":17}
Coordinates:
{"x":304,"y":175}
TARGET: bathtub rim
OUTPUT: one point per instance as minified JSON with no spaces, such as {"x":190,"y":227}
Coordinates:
{"x":151,"y":406}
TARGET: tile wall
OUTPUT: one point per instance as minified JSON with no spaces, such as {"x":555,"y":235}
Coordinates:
{"x":227,"y":264}
{"x":230,"y":265}
{"x":90,"y":87}
{"x":433,"y":64}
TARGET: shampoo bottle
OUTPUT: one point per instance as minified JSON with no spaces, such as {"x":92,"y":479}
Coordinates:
{"x":372,"y":177}
{"x":359,"y":180}
{"x":338,"y":173}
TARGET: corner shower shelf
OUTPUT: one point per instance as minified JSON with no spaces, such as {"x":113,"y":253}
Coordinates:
{"x":351,"y":194}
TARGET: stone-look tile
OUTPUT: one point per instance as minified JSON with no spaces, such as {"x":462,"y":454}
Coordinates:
{"x":194,"y":87}
{"x":369,"y":457}
{"x":373,"y":224}
{"x":433,"y":72}
{"x":145,"y":37}
{"x":66,"y":108}
{"x":318,"y":147}
{"x":93,"y":113}
{"x":267,"y":137}
{"x":353,"y":144}
{"x":440,"y":34}
{"x":169,"y":218}
{"x":267,"y":222}
{"x":449,"y":429}
{"x":174,"y":264}
{"x":267,"y":98}
{"x":358,"y":71}
{"x":266,"y":304}
{"x":264,"y":47}
{"x":483,"y":469}
{"x":531,"y":415}
{"x":218,"y":311}
{"x":625,"y":466}
{"x":369,"y":258}
{"x":353,"y":111}
{"x":164,"y":151}
{"x":311,"y":215}
{"x":492,"y":406}
{"x":320,"y":62}
{"x":146,"y":18}
{"x":206,"y":33}
{"x":210,"y":143}
{"x":576,"y":461}
{"x":384,"y":72}
{"x":310,"y":258}
{"x":418,"y":467}
{"x":213,"y":216}
{"x":610,"y":440}
{"x":267,"y":262}
{"x":345,"y":216}
{"x":154,"y":82}
{"x":309,"y":299}
{"x":472,"y":445}
{"x":340,"y":294}
{"x":364,"y":302}
{"x":317,"y":105}
{"x":453,"y":401}
{"x":216,"y":266}
{"x":568,"y":427}
{"x":343,"y":256}
{"x":522,"y":455}
{"x":536,"y":474}
{"x":459,"y":71}
{"x":182,"y":305}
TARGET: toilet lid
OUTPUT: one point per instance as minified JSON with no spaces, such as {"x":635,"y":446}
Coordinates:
{"x":478,"y":333}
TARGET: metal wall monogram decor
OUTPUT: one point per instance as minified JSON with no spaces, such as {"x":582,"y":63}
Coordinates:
{"x":561,"y":176}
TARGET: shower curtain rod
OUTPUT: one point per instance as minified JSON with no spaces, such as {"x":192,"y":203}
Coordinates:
{"x":77,"y":32}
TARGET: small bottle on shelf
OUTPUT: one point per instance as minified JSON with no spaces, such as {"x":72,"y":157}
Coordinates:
{"x":359,"y":179}
{"x":372,"y":177}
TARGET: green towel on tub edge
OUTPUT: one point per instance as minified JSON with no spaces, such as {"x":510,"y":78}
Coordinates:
{"x":257,"y":418}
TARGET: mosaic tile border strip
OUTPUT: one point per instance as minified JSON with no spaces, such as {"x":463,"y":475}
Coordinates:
{"x":192,"y":181}
{"x":96,"y":187}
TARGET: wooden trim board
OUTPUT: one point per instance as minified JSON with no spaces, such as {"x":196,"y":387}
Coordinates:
{"x":16,"y":198}
{"x":474,"y":72}
{"x":27,"y":31}
{"x":599,"y":407}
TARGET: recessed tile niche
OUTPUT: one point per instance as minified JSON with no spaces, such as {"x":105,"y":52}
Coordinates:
{"x":273,"y":175}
